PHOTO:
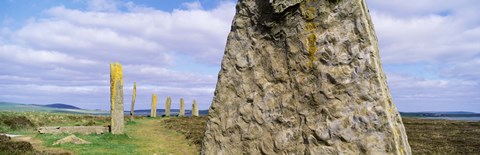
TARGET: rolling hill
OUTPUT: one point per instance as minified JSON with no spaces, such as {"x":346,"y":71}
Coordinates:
{"x":53,"y":108}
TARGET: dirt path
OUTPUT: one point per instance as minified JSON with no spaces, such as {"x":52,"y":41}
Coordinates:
{"x":147,"y":136}
{"x":155,"y":139}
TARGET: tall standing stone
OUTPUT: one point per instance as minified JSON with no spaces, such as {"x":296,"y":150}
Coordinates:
{"x":168,"y":105}
{"x":194,"y":108}
{"x":134,"y":95}
{"x":116,"y":99}
{"x":153,"y":111}
{"x":303,"y":77}
{"x":182,"y":108}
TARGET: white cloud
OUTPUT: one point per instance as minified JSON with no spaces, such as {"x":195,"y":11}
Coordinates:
{"x":440,"y":33}
{"x":36,"y":57}
{"x":102,"y":5}
{"x":195,"y":5}
{"x":431,"y":38}
{"x":67,"y":51}
{"x":64,"y":55}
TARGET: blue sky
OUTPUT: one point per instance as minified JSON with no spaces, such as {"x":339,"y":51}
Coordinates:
{"x":59,"y":51}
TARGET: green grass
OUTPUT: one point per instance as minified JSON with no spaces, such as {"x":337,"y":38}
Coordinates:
{"x":100,"y":144}
{"x":143,"y":136}
{"x":183,"y":135}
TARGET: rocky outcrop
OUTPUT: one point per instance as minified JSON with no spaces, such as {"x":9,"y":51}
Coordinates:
{"x":303,"y":77}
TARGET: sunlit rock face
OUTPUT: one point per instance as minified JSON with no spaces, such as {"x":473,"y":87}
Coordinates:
{"x":303,"y":77}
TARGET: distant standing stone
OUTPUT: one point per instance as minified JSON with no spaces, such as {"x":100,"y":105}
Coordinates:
{"x":134,"y":95}
{"x":153,"y":111}
{"x":116,"y":99}
{"x":194,"y":108}
{"x":182,"y":108}
{"x":168,"y":105}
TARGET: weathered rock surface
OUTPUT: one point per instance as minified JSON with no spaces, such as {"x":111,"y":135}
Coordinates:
{"x":153,"y":110}
{"x":116,"y":99}
{"x":182,"y":108}
{"x":73,"y":129}
{"x":168,"y":105}
{"x":132,"y":108}
{"x":194,"y":108}
{"x":303,"y":77}
{"x":71,"y":139}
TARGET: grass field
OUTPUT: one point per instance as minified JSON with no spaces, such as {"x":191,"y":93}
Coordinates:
{"x":183,"y":135}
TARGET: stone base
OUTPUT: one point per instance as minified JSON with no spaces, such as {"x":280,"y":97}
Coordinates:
{"x":73,"y":129}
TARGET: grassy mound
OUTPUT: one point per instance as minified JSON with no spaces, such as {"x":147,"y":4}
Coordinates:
{"x":14,"y":122}
{"x":10,"y":147}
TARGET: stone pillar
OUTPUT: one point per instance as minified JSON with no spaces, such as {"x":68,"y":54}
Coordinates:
{"x":194,"y":108}
{"x":182,"y":108}
{"x":303,"y":77}
{"x":134,"y":95}
{"x":153,"y":111}
{"x":168,"y":104}
{"x":116,"y":99}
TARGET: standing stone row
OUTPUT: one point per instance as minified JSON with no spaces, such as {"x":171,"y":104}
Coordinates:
{"x":116,"y":101}
{"x":168,"y":105}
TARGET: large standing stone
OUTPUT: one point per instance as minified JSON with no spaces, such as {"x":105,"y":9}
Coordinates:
{"x":168,"y":105}
{"x":116,"y":99}
{"x":134,"y":95}
{"x":303,"y":77}
{"x":194,"y":108}
{"x":153,"y":110}
{"x":182,"y":108}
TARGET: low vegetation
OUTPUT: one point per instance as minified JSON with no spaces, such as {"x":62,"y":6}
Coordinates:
{"x":427,"y":136}
{"x":183,"y":135}
{"x":192,"y":127}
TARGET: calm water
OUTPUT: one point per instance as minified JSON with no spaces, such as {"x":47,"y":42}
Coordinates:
{"x":454,"y":118}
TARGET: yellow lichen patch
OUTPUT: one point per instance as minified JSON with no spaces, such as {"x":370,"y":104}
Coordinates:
{"x":153,"y":110}
{"x":309,"y":13}
{"x":312,"y":46}
{"x":115,"y":79}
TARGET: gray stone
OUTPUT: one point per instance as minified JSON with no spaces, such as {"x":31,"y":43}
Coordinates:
{"x":182,"y":108}
{"x":303,"y":77}
{"x":153,"y":110}
{"x":71,"y":139}
{"x":116,"y":99}
{"x":132,"y":108}
{"x":86,"y":130}
{"x":194,"y":108}
{"x":168,"y":105}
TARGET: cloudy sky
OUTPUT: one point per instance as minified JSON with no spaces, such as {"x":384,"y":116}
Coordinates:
{"x":59,"y":51}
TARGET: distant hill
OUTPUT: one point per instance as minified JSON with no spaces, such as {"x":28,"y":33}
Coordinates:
{"x":440,"y":114}
{"x":60,"y":106}
{"x":52,"y":108}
